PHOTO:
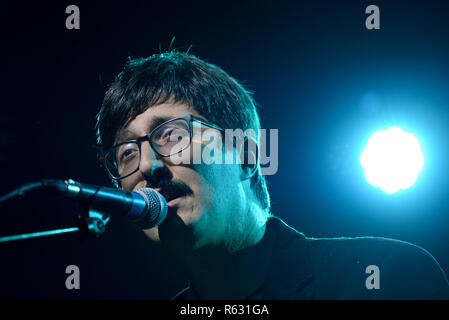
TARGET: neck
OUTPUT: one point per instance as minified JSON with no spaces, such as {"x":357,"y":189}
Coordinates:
{"x":217,"y":273}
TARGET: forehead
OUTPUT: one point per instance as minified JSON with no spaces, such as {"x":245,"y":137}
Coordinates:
{"x":151,"y":118}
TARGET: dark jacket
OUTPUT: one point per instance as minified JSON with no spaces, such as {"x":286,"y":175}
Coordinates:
{"x":336,"y":268}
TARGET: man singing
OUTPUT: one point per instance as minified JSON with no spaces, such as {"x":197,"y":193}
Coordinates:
{"x":219,"y":223}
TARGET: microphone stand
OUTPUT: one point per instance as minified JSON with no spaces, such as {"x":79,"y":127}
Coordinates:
{"x":92,"y":224}
{"x":89,"y":222}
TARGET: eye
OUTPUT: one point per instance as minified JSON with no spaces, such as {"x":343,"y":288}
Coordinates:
{"x":170,"y":134}
{"x":166,"y":133}
{"x":126,"y":153}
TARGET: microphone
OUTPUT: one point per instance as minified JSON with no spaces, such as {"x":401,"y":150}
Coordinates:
{"x":146,"y":207}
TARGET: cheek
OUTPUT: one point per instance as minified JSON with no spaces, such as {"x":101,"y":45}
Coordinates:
{"x":189,"y":156}
{"x":128,"y":184}
{"x":217,"y":183}
{"x":206,"y":147}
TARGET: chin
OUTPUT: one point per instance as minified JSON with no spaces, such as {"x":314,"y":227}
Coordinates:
{"x":153,"y":234}
{"x":187,"y":217}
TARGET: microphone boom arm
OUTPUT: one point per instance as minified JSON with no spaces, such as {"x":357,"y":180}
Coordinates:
{"x":88,"y":222}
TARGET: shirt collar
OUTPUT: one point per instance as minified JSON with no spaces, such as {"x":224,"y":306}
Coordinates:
{"x":291,"y":273}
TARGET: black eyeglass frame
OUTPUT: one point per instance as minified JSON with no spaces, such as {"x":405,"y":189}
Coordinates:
{"x":189,"y":119}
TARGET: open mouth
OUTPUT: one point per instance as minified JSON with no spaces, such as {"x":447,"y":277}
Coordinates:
{"x":173,"y":191}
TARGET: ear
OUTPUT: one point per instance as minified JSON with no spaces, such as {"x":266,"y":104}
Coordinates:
{"x":249,"y":158}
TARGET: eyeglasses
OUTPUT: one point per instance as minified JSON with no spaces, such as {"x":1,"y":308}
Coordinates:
{"x":169,"y":138}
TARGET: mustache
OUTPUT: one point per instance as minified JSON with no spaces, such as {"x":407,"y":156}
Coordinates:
{"x":179,"y":187}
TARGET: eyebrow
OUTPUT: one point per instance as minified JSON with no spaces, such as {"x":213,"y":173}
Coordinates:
{"x":126,"y":134}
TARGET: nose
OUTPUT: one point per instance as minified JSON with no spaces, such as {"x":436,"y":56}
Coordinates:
{"x":149,"y":161}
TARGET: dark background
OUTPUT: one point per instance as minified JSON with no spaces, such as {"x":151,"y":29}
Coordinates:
{"x":321,"y":78}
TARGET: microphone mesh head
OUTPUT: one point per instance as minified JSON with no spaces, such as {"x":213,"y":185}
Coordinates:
{"x":157,"y":207}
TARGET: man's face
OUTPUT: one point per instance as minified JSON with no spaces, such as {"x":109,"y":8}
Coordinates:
{"x":203,"y":195}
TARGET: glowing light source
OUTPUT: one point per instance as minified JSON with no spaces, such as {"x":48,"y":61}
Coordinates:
{"x":392,"y":159}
